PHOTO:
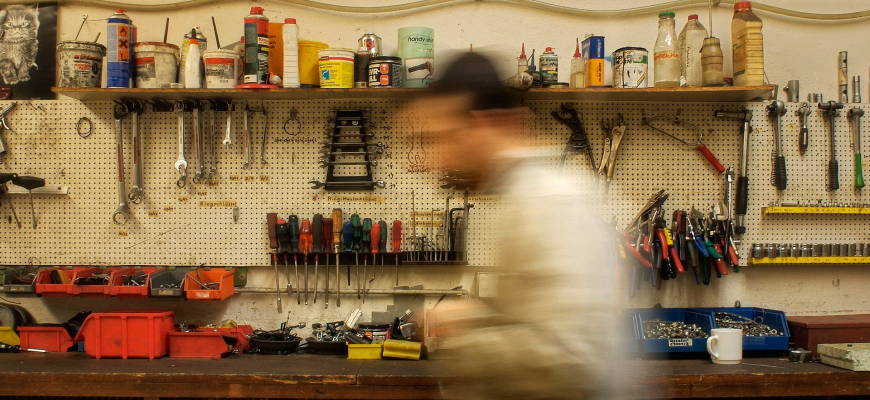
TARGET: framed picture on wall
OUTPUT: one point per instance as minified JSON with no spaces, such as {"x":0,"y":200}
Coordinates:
{"x":28,"y":41}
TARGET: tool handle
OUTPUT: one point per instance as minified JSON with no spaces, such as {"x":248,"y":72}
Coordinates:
{"x":660,"y":234}
{"x":719,"y":262}
{"x":366,"y":237}
{"x":781,"y":178}
{"x":336,"y":228}
{"x":357,"y":232}
{"x":803,"y":140}
{"x":701,"y":246}
{"x":283,"y":233}
{"x":305,"y":237}
{"x":347,"y":235}
{"x":376,"y":238}
{"x":833,"y":175}
{"x":382,"y":245}
{"x":676,"y":260}
{"x":317,"y":234}
{"x":28,"y":182}
{"x":327,"y":235}
{"x":711,"y":158}
{"x":735,"y":261}
{"x":692,"y":256}
{"x":6,"y":177}
{"x":742,"y":194}
{"x":397,"y":236}
{"x":271,"y":222}
{"x":859,"y":174}
{"x":294,"y":234}
{"x":636,"y":254}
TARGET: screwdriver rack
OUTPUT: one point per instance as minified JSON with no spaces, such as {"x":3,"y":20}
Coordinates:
{"x":195,"y":225}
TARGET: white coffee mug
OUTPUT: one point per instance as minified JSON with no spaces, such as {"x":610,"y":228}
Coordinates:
{"x":725,"y":345}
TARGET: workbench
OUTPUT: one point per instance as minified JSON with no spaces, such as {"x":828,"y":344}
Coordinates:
{"x":334,"y":377}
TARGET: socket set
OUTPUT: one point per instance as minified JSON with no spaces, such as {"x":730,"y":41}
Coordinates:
{"x":773,"y":250}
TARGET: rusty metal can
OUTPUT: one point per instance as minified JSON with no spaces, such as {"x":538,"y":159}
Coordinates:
{"x":385,"y":72}
{"x":630,"y":67}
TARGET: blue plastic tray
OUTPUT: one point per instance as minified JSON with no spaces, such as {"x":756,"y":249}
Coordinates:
{"x":697,"y":345}
{"x":773,"y":318}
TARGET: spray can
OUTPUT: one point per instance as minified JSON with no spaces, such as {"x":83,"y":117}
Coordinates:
{"x":119,"y":58}
{"x":256,"y":47}
{"x":549,"y":64}
{"x":369,"y":46}
{"x":185,"y":47}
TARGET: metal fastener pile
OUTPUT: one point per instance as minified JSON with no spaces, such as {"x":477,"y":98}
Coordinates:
{"x":750,"y":327}
{"x":658,"y":329}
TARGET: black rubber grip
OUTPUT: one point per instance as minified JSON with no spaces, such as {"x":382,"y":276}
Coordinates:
{"x":28,"y":182}
{"x":283,"y":232}
{"x":781,"y":178}
{"x":742,"y":194}
{"x":6,"y":177}
{"x":294,"y":233}
{"x":317,"y":234}
{"x":833,"y":175}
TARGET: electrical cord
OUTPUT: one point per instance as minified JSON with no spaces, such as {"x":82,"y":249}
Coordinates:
{"x":415,"y":6}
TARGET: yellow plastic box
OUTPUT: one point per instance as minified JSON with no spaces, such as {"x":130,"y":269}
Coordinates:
{"x":8,"y":336}
{"x":364,"y":351}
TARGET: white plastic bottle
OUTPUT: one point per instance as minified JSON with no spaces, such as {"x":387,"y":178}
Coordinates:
{"x":578,"y":69}
{"x":747,"y":45}
{"x":690,"y":42}
{"x":193,"y":64}
{"x":291,"y":53}
{"x":666,"y":54}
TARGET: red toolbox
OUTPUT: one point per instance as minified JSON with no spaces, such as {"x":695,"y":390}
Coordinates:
{"x":49,"y":337}
{"x":127,"y":334}
{"x":808,"y":332}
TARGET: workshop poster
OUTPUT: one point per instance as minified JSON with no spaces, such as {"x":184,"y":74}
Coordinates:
{"x":28,"y":41}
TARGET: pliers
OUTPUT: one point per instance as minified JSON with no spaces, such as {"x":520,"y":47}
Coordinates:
{"x":613,"y":134}
{"x":571,"y":118}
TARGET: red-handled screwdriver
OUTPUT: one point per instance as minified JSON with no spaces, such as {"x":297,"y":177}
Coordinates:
{"x":327,"y":248}
{"x":305,"y":238}
{"x":316,"y":246}
{"x":272,"y":223}
{"x":336,"y":243}
{"x":397,"y":245}
{"x":376,"y":239}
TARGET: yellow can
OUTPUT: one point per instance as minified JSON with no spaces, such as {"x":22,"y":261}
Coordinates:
{"x":309,"y":70}
{"x":336,"y":68}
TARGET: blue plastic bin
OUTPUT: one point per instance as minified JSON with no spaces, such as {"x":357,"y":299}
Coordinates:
{"x":773,"y":318}
{"x":696,"y":345}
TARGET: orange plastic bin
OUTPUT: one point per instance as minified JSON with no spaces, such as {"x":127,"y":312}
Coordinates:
{"x":195,"y":291}
{"x":49,"y":337}
{"x":127,"y":334}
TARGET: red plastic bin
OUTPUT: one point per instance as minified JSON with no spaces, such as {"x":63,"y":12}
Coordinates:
{"x":127,"y":334}
{"x":90,"y":290}
{"x":117,"y":288}
{"x":49,"y":337}
{"x":196,"y":292}
{"x":45,"y":288}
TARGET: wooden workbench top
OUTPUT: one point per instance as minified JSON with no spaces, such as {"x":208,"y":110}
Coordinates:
{"x":316,"y":376}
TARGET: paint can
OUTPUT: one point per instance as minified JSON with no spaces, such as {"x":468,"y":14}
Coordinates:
{"x":369,"y":46}
{"x":385,"y":72}
{"x":336,"y":68}
{"x":630,"y":67}
{"x":119,"y":59}
{"x":256,"y":47}
{"x":185,"y":47}
{"x":81,"y":64}
{"x":309,"y":62}
{"x":220,"y":69}
{"x":417,"y":50}
{"x":156,"y":64}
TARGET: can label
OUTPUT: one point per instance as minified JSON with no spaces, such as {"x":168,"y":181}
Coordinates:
{"x":119,"y":67}
{"x":257,"y":50}
{"x":385,"y":74}
{"x":185,"y":48}
{"x":336,"y":72}
{"x":595,"y":72}
{"x":145,"y":69}
{"x":81,"y":71}
{"x":630,"y":68}
{"x":220,"y":72}
{"x":549,"y":69}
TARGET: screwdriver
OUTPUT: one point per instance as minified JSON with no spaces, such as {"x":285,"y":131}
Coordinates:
{"x":283,"y":231}
{"x":336,"y":242}
{"x":327,"y":248}
{"x":397,"y":245}
{"x":357,"y":235}
{"x":376,"y":246}
{"x":382,"y":245}
{"x":316,"y":246}
{"x":271,"y":222}
{"x":294,"y":248}
{"x":305,"y":248}
{"x":347,"y":237}
{"x":6,"y":177}
{"x":29,"y":183}
{"x":366,"y":248}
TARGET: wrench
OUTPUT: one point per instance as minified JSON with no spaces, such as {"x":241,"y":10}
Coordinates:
{"x":327,"y":153}
{"x":212,"y":140}
{"x":319,"y":184}
{"x":246,"y":133}
{"x":263,"y":145}
{"x":776,"y":109}
{"x":228,"y":139}
{"x":325,"y":163}
{"x":804,"y":136}
{"x":855,"y":115}
{"x":135,"y":195}
{"x":122,"y":213}
{"x":829,"y":110}
{"x":197,"y":143}
{"x":181,"y":164}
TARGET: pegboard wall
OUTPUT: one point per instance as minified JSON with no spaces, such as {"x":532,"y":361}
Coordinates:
{"x":195,"y":225}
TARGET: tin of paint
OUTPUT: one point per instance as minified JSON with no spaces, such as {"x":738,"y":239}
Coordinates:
{"x":185,"y":47}
{"x":385,"y":72}
{"x":369,"y":46}
{"x":156,"y":64}
{"x":630,"y":67}
{"x":336,"y":68}
{"x":256,"y":47}
{"x":81,"y":64}
{"x":119,"y":61}
{"x":417,"y":50}
{"x":220,"y":69}
{"x":309,"y":62}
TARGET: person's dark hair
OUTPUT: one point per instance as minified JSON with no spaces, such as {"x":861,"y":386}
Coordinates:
{"x":474,"y":74}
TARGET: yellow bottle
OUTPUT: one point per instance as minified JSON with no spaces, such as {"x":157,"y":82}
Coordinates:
{"x":747,"y":46}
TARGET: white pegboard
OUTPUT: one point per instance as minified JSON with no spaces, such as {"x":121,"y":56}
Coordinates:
{"x":170,"y":227}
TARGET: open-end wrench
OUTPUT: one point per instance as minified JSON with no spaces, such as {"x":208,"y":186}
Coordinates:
{"x":855,"y":115}
{"x":122,"y":213}
{"x":804,"y":136}
{"x":776,"y":109}
{"x":263,"y":145}
{"x":325,"y":163}
{"x":327,"y":153}
{"x":246,"y":133}
{"x":212,"y":139}
{"x":228,"y":138}
{"x":829,"y":110}
{"x":135,"y":195}
{"x":319,"y":184}
{"x":181,"y":164}
{"x":330,"y":144}
{"x":197,"y":143}
{"x":742,"y":201}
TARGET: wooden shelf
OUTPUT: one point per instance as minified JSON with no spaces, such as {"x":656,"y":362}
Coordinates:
{"x":816,"y":210}
{"x":671,"y":95}
{"x":809,"y":260}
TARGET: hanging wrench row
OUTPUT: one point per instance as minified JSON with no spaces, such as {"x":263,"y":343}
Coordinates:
{"x":200,"y":136}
